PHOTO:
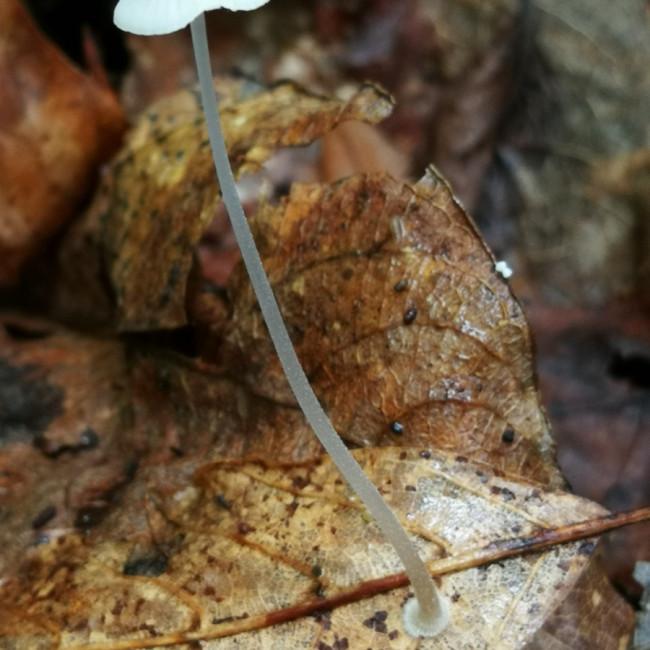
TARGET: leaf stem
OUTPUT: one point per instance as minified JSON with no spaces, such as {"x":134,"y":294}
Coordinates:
{"x":428,"y":607}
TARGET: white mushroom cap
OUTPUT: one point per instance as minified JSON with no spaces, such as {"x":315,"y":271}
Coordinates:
{"x":149,"y":17}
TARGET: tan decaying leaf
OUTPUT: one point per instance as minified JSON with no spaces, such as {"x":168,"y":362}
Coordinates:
{"x":400,"y":321}
{"x":252,"y":545}
{"x":164,"y":190}
{"x":56,"y":126}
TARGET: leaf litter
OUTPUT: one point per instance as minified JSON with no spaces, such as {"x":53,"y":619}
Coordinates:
{"x":259,"y":544}
{"x":142,"y":575}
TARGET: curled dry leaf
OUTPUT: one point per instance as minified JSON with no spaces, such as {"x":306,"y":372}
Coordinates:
{"x":163,"y":190}
{"x":56,"y":126}
{"x":251,"y":545}
{"x":400,"y":321}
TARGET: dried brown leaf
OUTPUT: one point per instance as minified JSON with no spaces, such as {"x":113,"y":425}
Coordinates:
{"x":403,"y":326}
{"x":164,"y":190}
{"x":259,"y":546}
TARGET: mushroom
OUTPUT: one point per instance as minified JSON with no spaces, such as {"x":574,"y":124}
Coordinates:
{"x":428,"y":613}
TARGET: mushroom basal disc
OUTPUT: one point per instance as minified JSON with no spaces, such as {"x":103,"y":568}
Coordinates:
{"x":148,"y":17}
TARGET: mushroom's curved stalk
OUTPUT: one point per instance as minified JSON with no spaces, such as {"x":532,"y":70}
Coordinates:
{"x":428,"y":613}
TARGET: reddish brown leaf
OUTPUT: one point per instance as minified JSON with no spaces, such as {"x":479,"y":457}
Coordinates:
{"x":57,"y":126}
{"x":400,"y":320}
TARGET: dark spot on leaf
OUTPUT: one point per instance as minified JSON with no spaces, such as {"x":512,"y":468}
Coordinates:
{"x":80,"y":625}
{"x":323,"y":646}
{"x":393,"y":635}
{"x":586,"y":548}
{"x":348,"y":273}
{"x":341,"y":644}
{"x":45,"y":515}
{"x":150,"y":562}
{"x":222,"y":501}
{"x":131,"y":470}
{"x":243,"y":528}
{"x":377,"y":622}
{"x":173,"y":278}
{"x":177,"y":451}
{"x":508,"y":435}
{"x":299,"y":482}
{"x":317,"y":571}
{"x":410,"y":315}
{"x":410,"y":488}
{"x":508,"y":495}
{"x":28,"y":403}
{"x":91,"y":515}
{"x":323,"y":617}
{"x":88,"y":439}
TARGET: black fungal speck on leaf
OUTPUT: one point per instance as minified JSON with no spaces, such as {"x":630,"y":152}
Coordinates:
{"x":149,"y":563}
{"x":223,"y":502}
{"x":397,"y":428}
{"x":377,"y":622}
{"x":88,"y":439}
{"x":43,"y":517}
{"x":410,"y":315}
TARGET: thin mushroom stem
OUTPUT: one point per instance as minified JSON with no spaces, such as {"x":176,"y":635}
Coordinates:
{"x":428,"y":610}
